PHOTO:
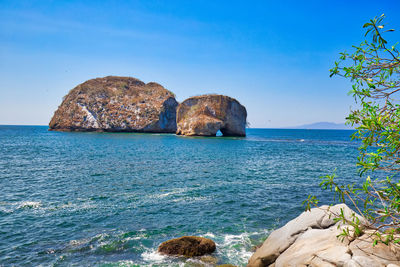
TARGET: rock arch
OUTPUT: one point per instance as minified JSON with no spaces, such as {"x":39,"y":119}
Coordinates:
{"x":205,"y":115}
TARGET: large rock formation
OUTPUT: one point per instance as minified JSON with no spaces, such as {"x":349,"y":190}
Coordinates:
{"x":188,"y":246}
{"x":205,"y":115}
{"x":312,"y":240}
{"x":117,"y":104}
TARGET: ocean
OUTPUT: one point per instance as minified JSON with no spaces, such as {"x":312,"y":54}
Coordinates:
{"x":109,"y":199}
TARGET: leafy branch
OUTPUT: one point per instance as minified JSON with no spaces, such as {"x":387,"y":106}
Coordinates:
{"x":374,"y":70}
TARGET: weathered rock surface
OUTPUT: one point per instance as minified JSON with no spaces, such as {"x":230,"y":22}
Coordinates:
{"x":117,"y":104}
{"x":205,"y":115}
{"x":311,"y":240}
{"x":188,"y":246}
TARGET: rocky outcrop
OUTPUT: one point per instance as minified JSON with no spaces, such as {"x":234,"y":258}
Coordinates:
{"x":311,"y":240}
{"x":117,"y":104}
{"x":188,"y":246}
{"x":205,"y":115}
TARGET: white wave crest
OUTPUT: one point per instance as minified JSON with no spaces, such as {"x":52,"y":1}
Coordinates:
{"x":237,"y":249}
{"x":153,"y":256}
{"x":29,"y":204}
{"x":209,"y":235}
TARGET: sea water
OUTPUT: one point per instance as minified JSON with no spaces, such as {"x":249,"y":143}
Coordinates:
{"x":109,"y":199}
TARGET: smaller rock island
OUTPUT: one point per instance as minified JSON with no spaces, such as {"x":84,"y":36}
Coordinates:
{"x":205,"y":115}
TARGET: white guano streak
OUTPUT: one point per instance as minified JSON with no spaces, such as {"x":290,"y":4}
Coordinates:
{"x":92,"y":120}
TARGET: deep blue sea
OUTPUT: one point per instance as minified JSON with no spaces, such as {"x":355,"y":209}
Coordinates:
{"x":109,"y":199}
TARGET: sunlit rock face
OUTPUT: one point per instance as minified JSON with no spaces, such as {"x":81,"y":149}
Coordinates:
{"x":117,"y":104}
{"x":314,"y":239}
{"x":206,"y":114}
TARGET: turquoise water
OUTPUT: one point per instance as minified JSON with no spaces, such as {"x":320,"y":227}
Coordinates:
{"x":109,"y":199}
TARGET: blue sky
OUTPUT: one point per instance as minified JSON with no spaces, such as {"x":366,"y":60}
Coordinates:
{"x":273,"y":56}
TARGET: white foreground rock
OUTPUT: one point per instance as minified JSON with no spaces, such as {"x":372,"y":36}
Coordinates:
{"x":311,"y":240}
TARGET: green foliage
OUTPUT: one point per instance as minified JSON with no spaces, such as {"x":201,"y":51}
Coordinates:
{"x":374,"y":70}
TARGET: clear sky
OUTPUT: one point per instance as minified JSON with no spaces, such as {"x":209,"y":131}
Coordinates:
{"x":273,"y":56}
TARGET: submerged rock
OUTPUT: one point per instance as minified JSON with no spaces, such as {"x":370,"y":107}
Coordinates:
{"x":205,"y":115}
{"x":188,"y":246}
{"x":311,"y":240}
{"x":209,"y":259}
{"x":117,"y":104}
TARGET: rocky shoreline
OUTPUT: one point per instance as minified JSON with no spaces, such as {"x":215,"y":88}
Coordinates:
{"x":126,"y":104}
{"x":311,"y":239}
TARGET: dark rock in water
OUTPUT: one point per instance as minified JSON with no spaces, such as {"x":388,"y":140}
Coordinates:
{"x":117,"y":104}
{"x":188,"y":246}
{"x":205,"y":115}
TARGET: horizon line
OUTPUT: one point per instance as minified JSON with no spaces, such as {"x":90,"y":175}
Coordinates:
{"x":272,"y":128}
